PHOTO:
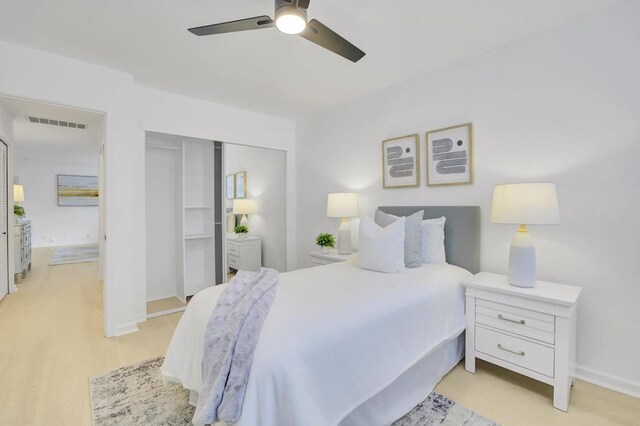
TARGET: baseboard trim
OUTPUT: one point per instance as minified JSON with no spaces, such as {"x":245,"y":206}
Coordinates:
{"x":126,"y":329}
{"x":166,"y":312}
{"x":609,"y":381}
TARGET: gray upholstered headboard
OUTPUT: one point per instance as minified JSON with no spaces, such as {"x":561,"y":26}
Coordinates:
{"x":461,"y":231}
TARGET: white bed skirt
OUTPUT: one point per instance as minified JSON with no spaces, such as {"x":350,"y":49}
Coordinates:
{"x":407,"y":391}
{"x":411,"y":388}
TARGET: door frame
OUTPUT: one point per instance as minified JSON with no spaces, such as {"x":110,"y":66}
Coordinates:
{"x":102,"y":203}
{"x":10,"y":285}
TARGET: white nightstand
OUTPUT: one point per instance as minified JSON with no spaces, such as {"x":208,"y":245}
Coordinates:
{"x":244,"y":253}
{"x":320,"y":258}
{"x":531,"y":331}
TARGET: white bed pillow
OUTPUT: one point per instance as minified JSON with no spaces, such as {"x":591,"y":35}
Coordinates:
{"x":432,"y":241}
{"x":381,"y":249}
{"x":412,"y":234}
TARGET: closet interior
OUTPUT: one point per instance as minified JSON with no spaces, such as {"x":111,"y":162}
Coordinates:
{"x":184,"y":213}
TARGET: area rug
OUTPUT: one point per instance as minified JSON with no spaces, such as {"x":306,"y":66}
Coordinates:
{"x":135,"y":395}
{"x":75,"y":254}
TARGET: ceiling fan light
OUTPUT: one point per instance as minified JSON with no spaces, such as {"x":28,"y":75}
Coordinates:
{"x":291,"y":21}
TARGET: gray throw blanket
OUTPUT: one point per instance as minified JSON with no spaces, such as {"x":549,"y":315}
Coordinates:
{"x":230,"y":340}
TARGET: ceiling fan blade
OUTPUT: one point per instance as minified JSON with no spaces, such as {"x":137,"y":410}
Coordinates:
{"x":254,"y":23}
{"x":324,"y":36}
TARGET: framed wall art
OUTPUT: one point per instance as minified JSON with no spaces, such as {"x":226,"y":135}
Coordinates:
{"x":230,"y":182}
{"x":77,"y":190}
{"x":450,"y":155}
{"x":241,"y":184}
{"x":401,"y":162}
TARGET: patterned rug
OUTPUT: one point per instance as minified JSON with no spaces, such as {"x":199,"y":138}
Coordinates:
{"x":75,"y":254}
{"x":135,"y":395}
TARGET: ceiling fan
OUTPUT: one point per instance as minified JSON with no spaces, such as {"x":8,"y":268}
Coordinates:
{"x":290,"y":18}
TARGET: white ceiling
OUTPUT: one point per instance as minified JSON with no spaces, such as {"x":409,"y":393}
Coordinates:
{"x":44,"y":143}
{"x":265,"y":70}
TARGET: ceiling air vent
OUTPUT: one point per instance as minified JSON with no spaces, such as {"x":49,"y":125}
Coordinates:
{"x":52,"y":122}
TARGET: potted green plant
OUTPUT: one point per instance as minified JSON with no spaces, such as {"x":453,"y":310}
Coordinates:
{"x":18,"y":211}
{"x":241,"y":231}
{"x":326,"y":241}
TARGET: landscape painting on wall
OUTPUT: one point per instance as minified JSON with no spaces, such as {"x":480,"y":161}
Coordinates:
{"x":77,"y":190}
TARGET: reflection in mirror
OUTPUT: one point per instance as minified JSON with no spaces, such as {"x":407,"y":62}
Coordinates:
{"x":255,"y":215}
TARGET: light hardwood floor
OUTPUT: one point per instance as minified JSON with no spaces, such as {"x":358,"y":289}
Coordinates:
{"x":164,"y":305}
{"x":51,"y":342}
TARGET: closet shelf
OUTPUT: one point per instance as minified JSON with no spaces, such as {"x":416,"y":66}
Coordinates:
{"x":197,"y":236}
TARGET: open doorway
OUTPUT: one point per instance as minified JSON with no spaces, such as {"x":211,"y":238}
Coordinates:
{"x":54,"y":181}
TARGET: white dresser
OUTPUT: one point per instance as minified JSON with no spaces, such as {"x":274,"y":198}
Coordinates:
{"x":320,"y":257}
{"x":531,"y":331}
{"x":22,"y":249}
{"x":244,"y":253}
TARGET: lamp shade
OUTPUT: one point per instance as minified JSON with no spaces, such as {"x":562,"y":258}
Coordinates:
{"x":244,"y":206}
{"x":525,"y":204}
{"x":342,"y":204}
{"x":18,"y":193}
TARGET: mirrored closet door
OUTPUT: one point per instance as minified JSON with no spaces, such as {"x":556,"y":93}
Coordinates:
{"x":255,"y":196}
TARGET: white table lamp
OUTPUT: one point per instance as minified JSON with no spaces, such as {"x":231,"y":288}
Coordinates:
{"x":524,"y":204}
{"x":18,"y":193}
{"x":343,"y":205}
{"x":244,"y":206}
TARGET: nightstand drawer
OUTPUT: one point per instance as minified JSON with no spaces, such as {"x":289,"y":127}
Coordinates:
{"x":529,"y":355}
{"x":532,"y":324}
{"x":233,"y":261}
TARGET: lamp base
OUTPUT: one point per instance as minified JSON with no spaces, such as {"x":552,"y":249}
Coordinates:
{"x":244,"y":221}
{"x":344,"y":237}
{"x":522,"y":260}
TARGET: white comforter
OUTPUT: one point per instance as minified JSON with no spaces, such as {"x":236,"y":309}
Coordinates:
{"x":335,"y":336}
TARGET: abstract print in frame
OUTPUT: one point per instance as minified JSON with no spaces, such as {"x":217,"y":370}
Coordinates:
{"x":231,"y":187}
{"x":401,"y":162}
{"x":241,"y":184}
{"x":77,"y":190}
{"x":450,"y":155}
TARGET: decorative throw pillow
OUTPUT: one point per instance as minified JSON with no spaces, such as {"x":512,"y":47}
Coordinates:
{"x":412,"y":236}
{"x":432,"y":241}
{"x":381,"y":249}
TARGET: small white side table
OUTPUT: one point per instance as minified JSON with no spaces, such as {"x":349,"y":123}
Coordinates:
{"x":531,"y":331}
{"x":244,"y":253}
{"x":320,"y":258}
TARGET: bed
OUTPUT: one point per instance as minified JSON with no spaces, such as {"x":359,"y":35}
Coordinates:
{"x":343,"y":345}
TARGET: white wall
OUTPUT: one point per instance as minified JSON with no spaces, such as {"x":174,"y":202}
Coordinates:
{"x":129,"y":110}
{"x":6,"y":125}
{"x":53,"y":225}
{"x":562,"y":106}
{"x":266,"y":186}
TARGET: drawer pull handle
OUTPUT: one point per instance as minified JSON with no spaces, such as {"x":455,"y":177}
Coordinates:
{"x":521,"y":353}
{"x":522,"y":322}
